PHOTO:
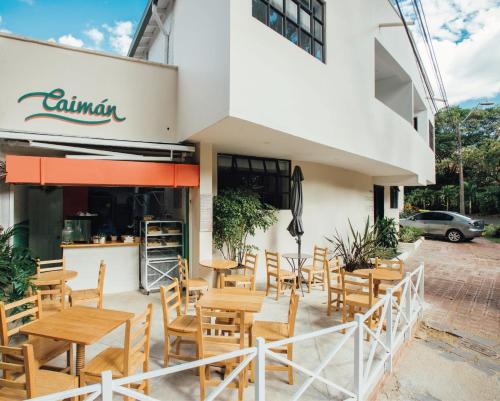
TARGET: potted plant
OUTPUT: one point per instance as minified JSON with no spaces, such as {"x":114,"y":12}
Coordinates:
{"x":16,"y":267}
{"x":238,"y":214}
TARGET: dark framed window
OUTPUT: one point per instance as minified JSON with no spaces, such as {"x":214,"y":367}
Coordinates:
{"x":301,"y":21}
{"x":415,"y":123}
{"x":431,"y":136}
{"x":394,"y":194}
{"x":269,"y":178}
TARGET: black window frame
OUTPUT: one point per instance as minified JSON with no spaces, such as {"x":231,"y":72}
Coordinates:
{"x":236,"y":177}
{"x":302,"y":33}
{"x":394,"y":197}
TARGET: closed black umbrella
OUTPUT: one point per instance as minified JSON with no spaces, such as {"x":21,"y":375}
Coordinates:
{"x":296,"y":205}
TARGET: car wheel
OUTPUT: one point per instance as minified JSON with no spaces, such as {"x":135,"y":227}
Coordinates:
{"x":454,"y":236}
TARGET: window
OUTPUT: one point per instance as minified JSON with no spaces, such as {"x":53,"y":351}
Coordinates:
{"x":300,"y":21}
{"x":269,"y":178}
{"x":431,"y":136}
{"x":415,"y":123}
{"x":394,"y":193}
{"x":434,"y":216}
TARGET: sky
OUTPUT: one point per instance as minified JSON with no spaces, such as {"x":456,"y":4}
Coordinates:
{"x":466,"y":35}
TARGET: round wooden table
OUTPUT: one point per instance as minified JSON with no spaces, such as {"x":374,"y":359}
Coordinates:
{"x":219,"y":265}
{"x":55,"y":275}
{"x":380,"y":275}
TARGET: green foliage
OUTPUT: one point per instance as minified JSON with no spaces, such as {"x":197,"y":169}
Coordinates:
{"x":408,"y":210}
{"x":492,"y":231}
{"x":386,"y":233}
{"x":239,"y":213}
{"x":481,"y":157}
{"x":384,"y":253}
{"x":410,"y":234}
{"x":16,"y":267}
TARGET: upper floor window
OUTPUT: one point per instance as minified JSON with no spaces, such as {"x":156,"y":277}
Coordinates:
{"x":300,"y":21}
{"x":269,"y":178}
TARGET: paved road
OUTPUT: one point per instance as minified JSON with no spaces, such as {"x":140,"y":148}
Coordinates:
{"x":462,"y":286}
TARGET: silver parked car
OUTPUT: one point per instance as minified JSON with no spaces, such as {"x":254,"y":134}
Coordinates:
{"x":453,"y":226}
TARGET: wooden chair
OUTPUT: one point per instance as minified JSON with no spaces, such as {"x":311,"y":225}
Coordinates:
{"x":92,"y":294}
{"x":282,"y":277}
{"x":392,"y":265}
{"x":14,"y":316}
{"x":358,"y":295}
{"x":183,"y":327}
{"x":247,"y":279}
{"x":128,"y":360}
{"x":188,"y":284}
{"x":316,"y":271}
{"x":274,"y":331}
{"x":333,"y":277}
{"x":53,"y":295}
{"x":212,"y":342}
{"x":44,"y":266}
{"x":23,"y":380}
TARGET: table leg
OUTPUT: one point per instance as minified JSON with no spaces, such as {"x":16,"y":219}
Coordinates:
{"x":80,"y":358}
{"x":376,"y":284}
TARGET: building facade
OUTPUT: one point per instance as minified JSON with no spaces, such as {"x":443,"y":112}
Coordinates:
{"x":332,"y":86}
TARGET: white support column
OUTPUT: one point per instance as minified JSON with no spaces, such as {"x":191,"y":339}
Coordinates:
{"x":358,"y":357}
{"x":260,"y":371}
{"x":408,"y":305}
{"x":388,"y":331}
{"x":107,"y":386}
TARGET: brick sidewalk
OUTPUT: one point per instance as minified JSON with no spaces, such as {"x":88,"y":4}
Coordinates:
{"x":462,"y":286}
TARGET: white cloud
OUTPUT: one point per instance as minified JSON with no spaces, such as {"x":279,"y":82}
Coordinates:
{"x":29,"y":2}
{"x":51,"y":40}
{"x":70,"y":40}
{"x":120,"y":36}
{"x":95,"y":35}
{"x":466,"y":38}
{"x":3,"y":30}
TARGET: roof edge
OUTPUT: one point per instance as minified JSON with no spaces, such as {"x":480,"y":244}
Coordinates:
{"x":146,"y":16}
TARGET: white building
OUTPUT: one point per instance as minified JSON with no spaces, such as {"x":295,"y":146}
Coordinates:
{"x":257,"y":86}
{"x":323,"y":85}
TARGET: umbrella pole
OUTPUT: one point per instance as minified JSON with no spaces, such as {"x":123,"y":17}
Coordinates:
{"x":299,"y":242}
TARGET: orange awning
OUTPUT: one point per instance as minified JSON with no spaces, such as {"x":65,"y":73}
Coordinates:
{"x":61,"y":171}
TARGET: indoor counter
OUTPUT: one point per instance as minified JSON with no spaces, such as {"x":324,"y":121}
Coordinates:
{"x":122,"y":265}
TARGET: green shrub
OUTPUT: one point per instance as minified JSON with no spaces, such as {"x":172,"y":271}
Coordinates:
{"x":492,"y":230}
{"x":410,"y":234}
{"x":408,"y":210}
{"x":386,"y":233}
{"x":384,"y":253}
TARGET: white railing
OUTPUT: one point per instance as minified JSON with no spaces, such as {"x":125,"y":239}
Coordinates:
{"x":371,"y":359}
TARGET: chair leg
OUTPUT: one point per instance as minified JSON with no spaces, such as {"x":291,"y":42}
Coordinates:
{"x":70,"y":360}
{"x":323,"y":281}
{"x":268,"y":283}
{"x":202,"y":382}
{"x":278,"y":289}
{"x":329,"y":305}
{"x":309,"y":281}
{"x":290,"y":368}
{"x":166,"y":352}
{"x":241,"y":385}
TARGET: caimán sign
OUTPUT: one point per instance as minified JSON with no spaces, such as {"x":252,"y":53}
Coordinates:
{"x":56,"y":106}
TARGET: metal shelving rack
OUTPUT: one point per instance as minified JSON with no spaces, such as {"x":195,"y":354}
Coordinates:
{"x":158,"y":258}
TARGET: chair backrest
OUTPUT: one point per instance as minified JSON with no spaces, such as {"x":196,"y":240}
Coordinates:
{"x":292,"y":313}
{"x":170,"y":299}
{"x":21,"y":361}
{"x":250,"y":266}
{"x":43,"y":266}
{"x":332,"y":268}
{"x":388,"y":264}
{"x":273,"y":261}
{"x":320,"y":255}
{"x":14,"y":316}
{"x":353,"y":283}
{"x":137,"y":339}
{"x":213,"y":325}
{"x":100,"y":283}
{"x":53,"y":294}
{"x":183,"y":272}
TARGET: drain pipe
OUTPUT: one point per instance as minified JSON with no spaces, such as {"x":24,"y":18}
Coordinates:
{"x":156,"y":16}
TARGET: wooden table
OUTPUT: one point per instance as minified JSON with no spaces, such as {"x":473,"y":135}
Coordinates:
{"x":80,"y":325}
{"x":219,"y":265}
{"x":380,"y":275}
{"x":234,"y":299}
{"x":55,"y":275}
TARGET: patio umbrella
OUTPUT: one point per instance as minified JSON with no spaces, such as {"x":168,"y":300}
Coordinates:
{"x":295,"y":227}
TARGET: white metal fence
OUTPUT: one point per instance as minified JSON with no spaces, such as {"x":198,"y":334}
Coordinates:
{"x":370,"y":359}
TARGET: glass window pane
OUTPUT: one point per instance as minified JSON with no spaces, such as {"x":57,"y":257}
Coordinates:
{"x":305,"y":42}
{"x":307,"y":3}
{"x":285,"y":184}
{"x":292,"y":32}
{"x":285,"y":201}
{"x":277,"y":4}
{"x":292,"y":10}
{"x":224,"y":162}
{"x":257,"y":165}
{"x":270,"y":184}
{"x":284,"y":167}
{"x":276,"y":21}
{"x":242,"y":163}
{"x":318,"y":31}
{"x":305,"y":21}
{"x":317,"y":9}
{"x":259,"y":10}
{"x":271,"y":166}
{"x":318,"y":51}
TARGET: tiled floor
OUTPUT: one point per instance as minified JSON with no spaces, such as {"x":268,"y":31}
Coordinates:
{"x":462,"y":285}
